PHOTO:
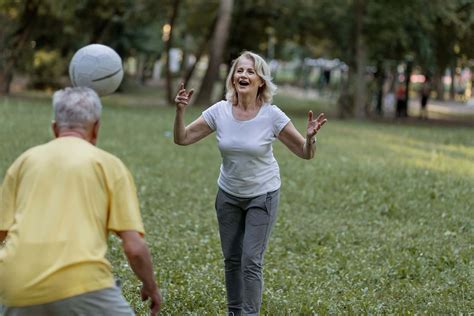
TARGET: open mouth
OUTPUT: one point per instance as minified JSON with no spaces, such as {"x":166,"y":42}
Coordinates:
{"x":244,"y":83}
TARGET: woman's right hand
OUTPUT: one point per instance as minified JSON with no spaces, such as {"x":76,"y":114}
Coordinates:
{"x":183,"y":97}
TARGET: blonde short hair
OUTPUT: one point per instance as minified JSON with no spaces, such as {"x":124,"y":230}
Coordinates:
{"x":266,"y":92}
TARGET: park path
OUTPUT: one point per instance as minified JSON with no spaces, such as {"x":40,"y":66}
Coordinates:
{"x":449,"y":111}
{"x":444,"y":110}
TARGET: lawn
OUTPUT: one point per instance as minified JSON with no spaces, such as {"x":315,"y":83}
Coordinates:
{"x":381,"y":222}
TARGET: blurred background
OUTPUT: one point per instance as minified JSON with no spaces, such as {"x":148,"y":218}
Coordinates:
{"x":364,"y":57}
{"x":381,"y":222}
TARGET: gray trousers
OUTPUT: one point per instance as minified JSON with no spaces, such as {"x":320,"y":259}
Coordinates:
{"x":244,"y":227}
{"x":106,"y":302}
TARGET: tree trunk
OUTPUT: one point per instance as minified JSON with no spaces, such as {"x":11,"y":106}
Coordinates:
{"x":6,"y":78}
{"x":6,"y":69}
{"x":380,"y":82}
{"x":4,"y":52}
{"x":360,"y":97}
{"x":202,"y":48}
{"x":439,"y":85}
{"x":407,"y":87}
{"x":345,"y":101}
{"x":168,"y":42}
{"x":218,"y":44}
{"x":185,"y":55}
{"x":141,"y":63}
{"x":452,"y":92}
{"x":11,"y":48}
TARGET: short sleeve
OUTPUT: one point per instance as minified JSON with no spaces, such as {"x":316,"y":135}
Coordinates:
{"x":7,"y":201}
{"x":124,"y":211}
{"x":280,"y":120}
{"x":210,"y":115}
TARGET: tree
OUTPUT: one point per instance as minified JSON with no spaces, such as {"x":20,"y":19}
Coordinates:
{"x":189,"y":71}
{"x":27,"y":30}
{"x":360,"y":94}
{"x":450,"y":37}
{"x":168,"y":44}
{"x":197,"y":31}
{"x":16,"y":26}
{"x":216,"y":51}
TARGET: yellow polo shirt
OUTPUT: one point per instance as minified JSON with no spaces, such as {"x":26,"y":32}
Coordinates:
{"x":58,"y":202}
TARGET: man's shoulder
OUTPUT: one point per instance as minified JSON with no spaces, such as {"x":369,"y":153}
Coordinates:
{"x":32,"y":151}
{"x":87,"y":152}
{"x":111,"y":159}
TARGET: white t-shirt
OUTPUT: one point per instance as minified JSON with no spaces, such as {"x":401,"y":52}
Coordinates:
{"x":248,"y":166}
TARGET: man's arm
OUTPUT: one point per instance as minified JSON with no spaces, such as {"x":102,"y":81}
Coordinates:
{"x":3,"y":235}
{"x":139,"y":258}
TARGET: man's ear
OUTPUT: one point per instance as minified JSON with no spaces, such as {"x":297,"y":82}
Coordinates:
{"x":55,"y":128}
{"x":95,"y":132}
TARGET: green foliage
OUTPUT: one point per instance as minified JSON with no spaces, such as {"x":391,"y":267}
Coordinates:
{"x":48,"y":67}
{"x":31,"y":29}
{"x":435,"y":33}
{"x":197,"y":16}
{"x":381,"y":222}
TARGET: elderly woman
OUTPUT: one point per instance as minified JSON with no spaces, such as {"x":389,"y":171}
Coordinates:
{"x":246,"y":124}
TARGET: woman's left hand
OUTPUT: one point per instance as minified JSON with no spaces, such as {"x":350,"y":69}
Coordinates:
{"x":314,"y":125}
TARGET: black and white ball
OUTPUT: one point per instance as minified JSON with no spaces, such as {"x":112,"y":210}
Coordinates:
{"x":98,"y":67}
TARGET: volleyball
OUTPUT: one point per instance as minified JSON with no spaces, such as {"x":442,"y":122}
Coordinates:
{"x":98,"y":67}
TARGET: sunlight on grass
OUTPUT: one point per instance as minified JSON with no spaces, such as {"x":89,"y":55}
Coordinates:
{"x":402,"y":149}
{"x":436,"y":158}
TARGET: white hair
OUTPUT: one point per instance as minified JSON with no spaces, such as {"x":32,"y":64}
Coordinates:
{"x":265,"y":94}
{"x":76,"y":107}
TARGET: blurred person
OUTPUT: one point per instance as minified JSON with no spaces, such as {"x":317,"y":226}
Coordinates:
{"x":58,"y":202}
{"x":424,"y":96}
{"x":246,"y":124}
{"x":401,"y":105}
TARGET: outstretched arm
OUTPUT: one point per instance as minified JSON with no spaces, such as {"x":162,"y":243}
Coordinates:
{"x":302,"y":147}
{"x":197,"y":130}
{"x":139,"y":258}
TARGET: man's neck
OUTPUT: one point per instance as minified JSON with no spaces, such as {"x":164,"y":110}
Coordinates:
{"x":88,"y":133}
{"x":78,"y":133}
{"x":73,"y":133}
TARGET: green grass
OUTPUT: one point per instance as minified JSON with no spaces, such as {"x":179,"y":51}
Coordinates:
{"x":381,"y":222}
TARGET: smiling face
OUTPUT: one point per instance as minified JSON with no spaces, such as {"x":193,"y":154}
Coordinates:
{"x":245,"y":78}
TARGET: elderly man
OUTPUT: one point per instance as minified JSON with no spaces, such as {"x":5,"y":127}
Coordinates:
{"x":59,"y":200}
